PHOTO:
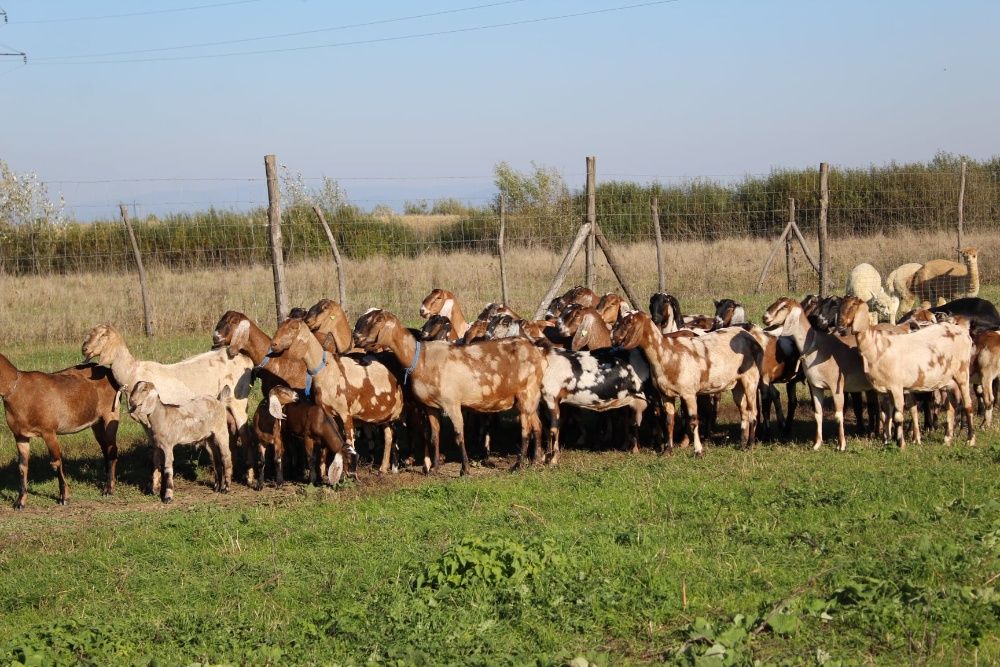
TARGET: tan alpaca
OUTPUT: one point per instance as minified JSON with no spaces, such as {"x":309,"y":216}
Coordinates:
{"x":942,"y":280}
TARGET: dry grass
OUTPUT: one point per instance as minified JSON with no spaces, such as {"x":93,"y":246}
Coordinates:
{"x":426,"y":223}
{"x":48,"y":310}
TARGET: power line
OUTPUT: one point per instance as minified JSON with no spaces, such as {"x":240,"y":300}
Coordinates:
{"x":437,"y":33}
{"x":300,"y":33}
{"x":134,"y":14}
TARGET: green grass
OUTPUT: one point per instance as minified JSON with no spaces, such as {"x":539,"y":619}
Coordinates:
{"x":781,"y":555}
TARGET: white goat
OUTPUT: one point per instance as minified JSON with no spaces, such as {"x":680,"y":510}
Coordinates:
{"x":865,"y":283}
{"x":204,"y":374}
{"x":200,"y":419}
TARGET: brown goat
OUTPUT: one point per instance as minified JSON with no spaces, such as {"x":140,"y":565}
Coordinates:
{"x":44,"y":405}
{"x":315,"y":426}
{"x":579,"y":295}
{"x":365,"y":389}
{"x":612,"y":307}
{"x":328,"y":322}
{"x":442,"y":302}
{"x":438,"y":327}
{"x":585,"y":327}
{"x":491,"y":376}
{"x":236,"y":332}
{"x":686,"y":367}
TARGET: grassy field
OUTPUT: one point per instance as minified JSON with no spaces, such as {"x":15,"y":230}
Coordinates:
{"x":779,"y":555}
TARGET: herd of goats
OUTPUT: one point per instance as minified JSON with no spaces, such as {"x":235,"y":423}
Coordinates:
{"x":597,"y":353}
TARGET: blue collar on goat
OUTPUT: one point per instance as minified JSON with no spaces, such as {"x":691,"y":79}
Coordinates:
{"x":413,"y":365}
{"x":311,"y":372}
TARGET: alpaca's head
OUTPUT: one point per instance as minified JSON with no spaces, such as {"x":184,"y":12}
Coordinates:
{"x":969,"y":255}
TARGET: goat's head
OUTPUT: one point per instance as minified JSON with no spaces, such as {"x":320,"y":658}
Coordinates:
{"x":437,"y":327}
{"x":824,"y":317}
{"x":102,"y":342}
{"x":665,"y":311}
{"x":586,"y":327}
{"x":610,"y":306}
{"x":503,"y":326}
{"x":142,"y":400}
{"x":327,"y":317}
{"x":491,"y":310}
{"x":778,"y":311}
{"x":438,"y":302}
{"x":477,"y":331}
{"x":375,"y":329}
{"x":862,"y":319}
{"x":232,"y":331}
{"x":290,"y":332}
{"x":278,"y":398}
{"x":566,"y":322}
{"x":631,"y":330}
{"x":729,"y":312}
{"x":848,"y":311}
{"x":880,"y":305}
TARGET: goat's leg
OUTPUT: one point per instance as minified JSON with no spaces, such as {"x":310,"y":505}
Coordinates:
{"x":668,"y":407}
{"x":740,"y":399}
{"x":838,"y":414}
{"x":963,"y":388}
{"x":915,"y":418}
{"x":23,"y":454}
{"x":871,"y":398}
{"x":639,"y":406}
{"x":898,"y":405}
{"x":156,"y":456}
{"x":309,"y":445}
{"x":988,"y":399}
{"x":105,"y":432}
{"x":434,"y":444}
{"x":390,"y":452}
{"x":859,"y":411}
{"x":793,"y":402}
{"x":454,"y":413}
{"x":522,"y":456}
{"x":55,"y":453}
{"x":387,"y":450}
{"x":817,"y":398}
{"x":691,"y":402}
{"x":167,"y":481}
{"x":277,"y":437}
{"x":225,"y":461}
{"x":552,"y":448}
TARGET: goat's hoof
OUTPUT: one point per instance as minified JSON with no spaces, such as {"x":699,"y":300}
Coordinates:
{"x":18,"y":505}
{"x":700,"y":455}
{"x":62,"y":501}
{"x":464,"y":472}
{"x":108,"y":491}
{"x":167,"y":500}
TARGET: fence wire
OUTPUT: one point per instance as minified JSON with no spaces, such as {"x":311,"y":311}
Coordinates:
{"x":63,"y":279}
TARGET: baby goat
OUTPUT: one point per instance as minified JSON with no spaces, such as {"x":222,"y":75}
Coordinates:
{"x":196,"y":420}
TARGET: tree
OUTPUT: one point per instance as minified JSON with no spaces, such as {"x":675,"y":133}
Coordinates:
{"x":543,"y":190}
{"x":24,"y":200}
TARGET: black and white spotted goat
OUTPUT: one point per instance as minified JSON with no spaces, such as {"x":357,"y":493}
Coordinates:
{"x":597,"y":380}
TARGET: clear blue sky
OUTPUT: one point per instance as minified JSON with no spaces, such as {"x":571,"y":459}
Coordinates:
{"x":685,"y":88}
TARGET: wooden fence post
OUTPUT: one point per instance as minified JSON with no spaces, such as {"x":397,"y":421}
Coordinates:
{"x":147,"y":306}
{"x":574,"y":250}
{"x":661,"y":280}
{"x":274,"y":222}
{"x":961,"y":212}
{"x":341,"y":286}
{"x":616,"y":268}
{"x":824,"y":205}
{"x":589,"y":270}
{"x":789,"y":257}
{"x":504,"y":295}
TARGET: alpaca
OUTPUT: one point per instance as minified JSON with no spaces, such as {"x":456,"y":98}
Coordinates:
{"x":942,"y":280}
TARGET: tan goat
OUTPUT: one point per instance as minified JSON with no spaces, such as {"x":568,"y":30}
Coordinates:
{"x":830,"y":363}
{"x":328,"y":322}
{"x":986,"y":368}
{"x":491,"y":376}
{"x":935,"y":357}
{"x":684,"y":367}
{"x":585,"y":327}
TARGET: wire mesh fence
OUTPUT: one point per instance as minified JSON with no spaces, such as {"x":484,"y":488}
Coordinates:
{"x":63,"y":279}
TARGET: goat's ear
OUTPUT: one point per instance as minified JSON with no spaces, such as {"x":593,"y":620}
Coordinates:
{"x":240,"y":338}
{"x":149,"y":400}
{"x":274,"y":407}
{"x":581,"y":338}
{"x":344,"y":342}
{"x":330,"y":342}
